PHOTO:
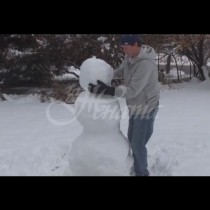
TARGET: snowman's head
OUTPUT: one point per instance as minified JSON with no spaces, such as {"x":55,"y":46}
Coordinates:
{"x":94,"y":69}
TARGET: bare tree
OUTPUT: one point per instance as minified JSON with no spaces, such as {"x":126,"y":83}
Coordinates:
{"x":196,"y":47}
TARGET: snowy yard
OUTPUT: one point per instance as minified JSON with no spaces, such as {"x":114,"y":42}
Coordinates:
{"x":35,"y":138}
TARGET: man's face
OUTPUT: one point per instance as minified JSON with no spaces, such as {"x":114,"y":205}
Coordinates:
{"x":130,"y":50}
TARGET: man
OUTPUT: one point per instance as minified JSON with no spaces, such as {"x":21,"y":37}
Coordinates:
{"x":141,"y":91}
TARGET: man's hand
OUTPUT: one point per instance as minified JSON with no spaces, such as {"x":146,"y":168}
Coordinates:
{"x":101,"y":88}
{"x":116,"y":82}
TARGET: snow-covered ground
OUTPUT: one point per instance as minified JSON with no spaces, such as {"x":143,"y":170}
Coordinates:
{"x":35,"y":138}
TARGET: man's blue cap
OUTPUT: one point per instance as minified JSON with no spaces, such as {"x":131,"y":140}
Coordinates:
{"x":129,"y":39}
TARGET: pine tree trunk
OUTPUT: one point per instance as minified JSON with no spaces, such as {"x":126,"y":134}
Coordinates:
{"x":202,"y":76}
{"x":2,"y":97}
{"x":168,"y":64}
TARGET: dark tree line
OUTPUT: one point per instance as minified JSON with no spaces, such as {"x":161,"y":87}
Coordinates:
{"x":34,"y":59}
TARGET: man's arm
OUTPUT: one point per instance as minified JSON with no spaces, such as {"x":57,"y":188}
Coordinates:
{"x":101,"y":88}
{"x":138,"y":82}
{"x":118,"y":73}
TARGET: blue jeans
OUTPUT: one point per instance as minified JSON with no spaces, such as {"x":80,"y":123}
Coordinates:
{"x":139,"y":132}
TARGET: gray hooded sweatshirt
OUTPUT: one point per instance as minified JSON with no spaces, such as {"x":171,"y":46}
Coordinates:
{"x":141,"y":88}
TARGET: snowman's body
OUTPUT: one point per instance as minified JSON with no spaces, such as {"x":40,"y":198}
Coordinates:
{"x":101,"y":149}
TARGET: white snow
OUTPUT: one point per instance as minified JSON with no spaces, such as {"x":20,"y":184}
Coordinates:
{"x":180,"y":145}
{"x":31,"y":143}
{"x":180,"y":60}
{"x":173,"y":72}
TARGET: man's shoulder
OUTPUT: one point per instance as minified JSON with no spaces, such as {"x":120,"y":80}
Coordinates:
{"x":147,"y":62}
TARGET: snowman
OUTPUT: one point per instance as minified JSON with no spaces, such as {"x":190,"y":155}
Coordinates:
{"x":101,"y":149}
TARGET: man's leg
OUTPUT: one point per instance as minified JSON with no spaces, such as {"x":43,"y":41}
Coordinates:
{"x":142,"y":130}
{"x":130,"y":128}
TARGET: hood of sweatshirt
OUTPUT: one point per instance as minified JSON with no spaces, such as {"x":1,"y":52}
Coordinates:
{"x":146,"y":53}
